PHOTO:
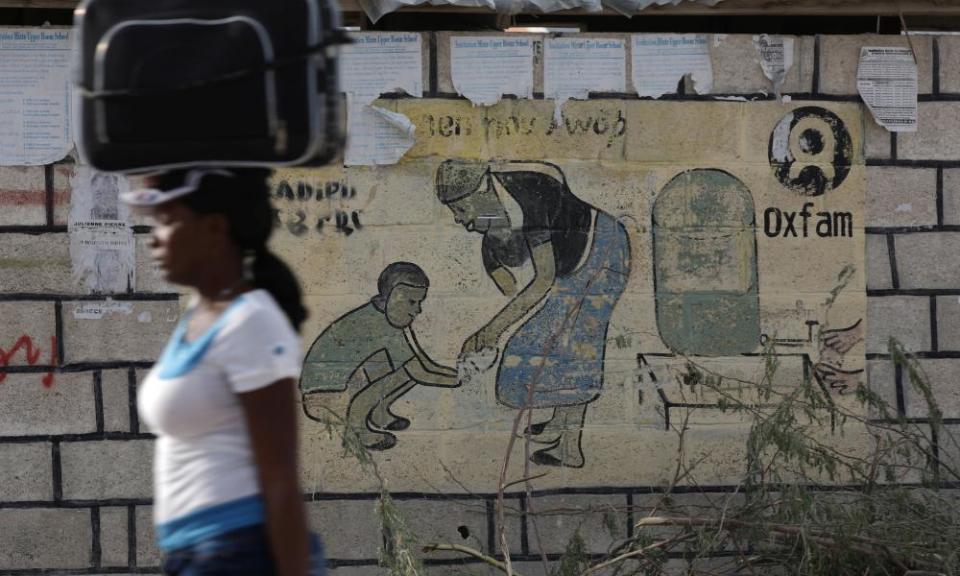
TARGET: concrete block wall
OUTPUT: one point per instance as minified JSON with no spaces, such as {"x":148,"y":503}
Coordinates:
{"x":75,"y":489}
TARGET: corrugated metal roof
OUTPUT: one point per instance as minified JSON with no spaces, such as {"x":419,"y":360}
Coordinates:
{"x":375,"y":9}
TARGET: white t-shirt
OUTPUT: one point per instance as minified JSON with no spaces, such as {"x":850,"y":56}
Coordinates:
{"x":203,"y":459}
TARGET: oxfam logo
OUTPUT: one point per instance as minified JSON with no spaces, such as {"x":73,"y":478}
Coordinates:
{"x":810,"y":151}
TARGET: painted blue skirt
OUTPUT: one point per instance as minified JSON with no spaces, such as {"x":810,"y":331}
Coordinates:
{"x":559,"y":351}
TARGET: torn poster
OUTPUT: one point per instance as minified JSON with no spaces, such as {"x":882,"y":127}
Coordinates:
{"x":379,"y":62}
{"x":887,"y":82}
{"x":375,"y":135}
{"x":776,"y":58}
{"x":660,"y":61}
{"x":484,"y":68}
{"x":574,"y":67}
{"x":35,"y":116}
{"x":101,"y":239}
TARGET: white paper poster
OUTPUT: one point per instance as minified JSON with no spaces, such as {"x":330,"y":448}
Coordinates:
{"x":887,"y":82}
{"x":776,"y":58}
{"x":484,"y":68}
{"x":101,"y":239}
{"x":375,"y":135}
{"x":379,"y":62}
{"x":35,"y":115}
{"x":376,"y":63}
{"x":661,"y":60}
{"x":574,"y":67}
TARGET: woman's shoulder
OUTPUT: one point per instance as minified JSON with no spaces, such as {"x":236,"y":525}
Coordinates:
{"x":257,"y":312}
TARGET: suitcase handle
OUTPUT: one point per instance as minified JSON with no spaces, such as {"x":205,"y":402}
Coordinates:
{"x":336,"y":38}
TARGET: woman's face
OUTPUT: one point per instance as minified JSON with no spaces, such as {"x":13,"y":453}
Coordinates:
{"x":183,"y":243}
{"x":479,"y":211}
{"x":403,"y":304}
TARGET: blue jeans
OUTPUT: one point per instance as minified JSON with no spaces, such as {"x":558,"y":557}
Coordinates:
{"x":242,"y":552}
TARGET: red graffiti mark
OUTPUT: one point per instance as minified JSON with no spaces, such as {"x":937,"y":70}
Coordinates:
{"x":13,"y":197}
{"x":33,"y":355}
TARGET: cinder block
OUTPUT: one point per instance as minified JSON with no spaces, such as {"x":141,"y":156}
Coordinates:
{"x":25,"y":472}
{"x":922,"y":260}
{"x":697,"y":132}
{"x":360,"y":538}
{"x":901,"y":196}
{"x":881,"y":378}
{"x":27,"y":407}
{"x":940,"y":375}
{"x":38,"y":264}
{"x":949,"y":56}
{"x":31,"y":328}
{"x":736,"y":66}
{"x":62,"y":192}
{"x":951,"y":197}
{"x":115,"y":388}
{"x":451,"y":522}
{"x":148,"y":555}
{"x":878,"y":262}
{"x":877,"y":142}
{"x":368,"y":570}
{"x":948,"y":322}
{"x":46,"y":538}
{"x":101,"y":331}
{"x":141,"y":376}
{"x":708,"y":504}
{"x":601,"y":520}
{"x":948,"y":445}
{"x":938,"y":123}
{"x":840,"y":58}
{"x":588,"y":130}
{"x":906,"y":318}
{"x":114,"y":536}
{"x":23,"y":196}
{"x":127,"y":463}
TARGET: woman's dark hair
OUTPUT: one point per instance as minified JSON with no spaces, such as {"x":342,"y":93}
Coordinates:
{"x":243,"y":198}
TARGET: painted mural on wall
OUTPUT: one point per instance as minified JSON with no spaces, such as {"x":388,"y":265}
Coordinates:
{"x":512,"y":261}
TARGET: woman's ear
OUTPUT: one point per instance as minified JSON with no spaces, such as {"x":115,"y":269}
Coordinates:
{"x":218,"y":226}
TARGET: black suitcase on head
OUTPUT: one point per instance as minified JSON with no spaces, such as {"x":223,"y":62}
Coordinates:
{"x":174,"y":83}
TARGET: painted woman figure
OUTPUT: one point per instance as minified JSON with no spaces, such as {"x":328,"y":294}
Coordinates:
{"x":581,"y":260}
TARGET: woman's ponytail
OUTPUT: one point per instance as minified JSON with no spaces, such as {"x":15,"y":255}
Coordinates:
{"x":243,"y":197}
{"x":273,"y":275}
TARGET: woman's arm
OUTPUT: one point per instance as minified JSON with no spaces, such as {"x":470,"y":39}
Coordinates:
{"x":545,"y":272}
{"x":271,"y":419}
{"x":505,"y":280}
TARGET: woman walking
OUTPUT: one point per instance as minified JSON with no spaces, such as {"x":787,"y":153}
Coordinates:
{"x":221,"y":398}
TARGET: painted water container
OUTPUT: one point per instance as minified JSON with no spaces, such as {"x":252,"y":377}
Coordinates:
{"x":705,"y":265}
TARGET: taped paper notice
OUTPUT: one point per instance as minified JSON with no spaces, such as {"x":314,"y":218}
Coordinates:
{"x":375,"y":135}
{"x":484,"y":68}
{"x":379,"y":62}
{"x":574,"y":67}
{"x":887,"y":82}
{"x":660,"y":61}
{"x":776,"y":58}
{"x":97,"y":310}
{"x":101,"y":239}
{"x":35,"y":117}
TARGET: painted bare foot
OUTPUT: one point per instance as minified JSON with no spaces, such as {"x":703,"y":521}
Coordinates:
{"x":566,"y":452}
